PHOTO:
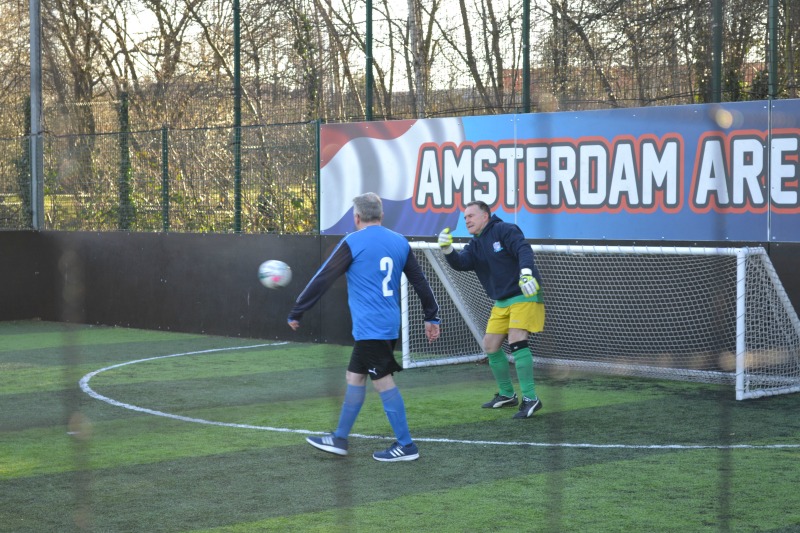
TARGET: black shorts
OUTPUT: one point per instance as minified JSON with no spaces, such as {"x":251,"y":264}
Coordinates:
{"x":374,"y":358}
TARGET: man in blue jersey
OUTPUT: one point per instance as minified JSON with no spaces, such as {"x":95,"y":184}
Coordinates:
{"x":372,"y":259}
{"x":504,"y":264}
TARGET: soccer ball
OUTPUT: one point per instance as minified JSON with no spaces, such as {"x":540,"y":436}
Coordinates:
{"x":274,"y":274}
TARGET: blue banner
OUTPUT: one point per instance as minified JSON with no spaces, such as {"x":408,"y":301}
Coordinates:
{"x":684,"y":173}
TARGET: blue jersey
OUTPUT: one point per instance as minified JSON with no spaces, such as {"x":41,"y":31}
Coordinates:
{"x":373,"y":260}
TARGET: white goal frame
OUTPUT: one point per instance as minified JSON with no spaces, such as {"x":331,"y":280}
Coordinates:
{"x":758,"y":349}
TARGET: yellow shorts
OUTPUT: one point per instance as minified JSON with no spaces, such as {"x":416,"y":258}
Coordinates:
{"x":524,"y":315}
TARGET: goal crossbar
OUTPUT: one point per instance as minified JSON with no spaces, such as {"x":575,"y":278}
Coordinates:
{"x":715,"y":315}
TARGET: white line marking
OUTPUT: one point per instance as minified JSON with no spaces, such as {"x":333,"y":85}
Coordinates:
{"x":84,"y":384}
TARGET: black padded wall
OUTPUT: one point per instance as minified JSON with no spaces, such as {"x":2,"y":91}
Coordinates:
{"x":194,"y":283}
{"x":785,"y":258}
{"x":26,"y":276}
{"x":203,"y":283}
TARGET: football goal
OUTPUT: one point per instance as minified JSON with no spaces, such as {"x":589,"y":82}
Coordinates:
{"x":713,"y":315}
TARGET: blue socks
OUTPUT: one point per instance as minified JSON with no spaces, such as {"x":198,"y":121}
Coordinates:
{"x":393,"y":406}
{"x":395,"y":411}
{"x":353,"y":400}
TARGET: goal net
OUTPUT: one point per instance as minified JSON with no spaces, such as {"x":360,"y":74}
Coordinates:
{"x":714,"y":315}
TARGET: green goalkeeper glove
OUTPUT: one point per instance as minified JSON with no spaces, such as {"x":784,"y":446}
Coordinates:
{"x":528,"y":284}
{"x":446,"y":241}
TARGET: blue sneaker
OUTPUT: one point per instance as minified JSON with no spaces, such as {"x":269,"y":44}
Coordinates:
{"x":396,"y":452}
{"x":329,"y":444}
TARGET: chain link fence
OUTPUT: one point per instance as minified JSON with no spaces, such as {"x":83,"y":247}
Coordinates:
{"x":178,"y":180}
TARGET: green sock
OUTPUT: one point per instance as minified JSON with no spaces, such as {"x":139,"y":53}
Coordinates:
{"x":502,"y":374}
{"x":524,"y":363}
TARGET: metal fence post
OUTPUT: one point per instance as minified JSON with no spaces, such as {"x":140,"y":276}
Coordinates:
{"x":772,"y":50}
{"x":237,"y":122}
{"x":36,"y":142}
{"x":125,"y":215}
{"x":164,"y":178}
{"x":716,"y":47}
{"x":526,"y":56}
{"x":368,"y":53}
{"x":318,"y":171}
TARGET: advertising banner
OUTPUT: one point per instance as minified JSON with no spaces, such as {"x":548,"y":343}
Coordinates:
{"x":714,"y":172}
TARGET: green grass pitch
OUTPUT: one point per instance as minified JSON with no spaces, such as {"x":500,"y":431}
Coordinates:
{"x":175,"y":432}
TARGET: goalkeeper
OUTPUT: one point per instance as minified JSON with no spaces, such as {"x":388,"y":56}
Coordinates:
{"x":504,"y":264}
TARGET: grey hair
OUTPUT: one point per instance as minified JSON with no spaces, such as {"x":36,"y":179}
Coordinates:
{"x":369,"y":207}
{"x":481,"y":205}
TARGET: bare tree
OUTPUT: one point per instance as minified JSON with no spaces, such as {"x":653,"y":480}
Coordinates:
{"x":71,"y":63}
{"x":14,"y":69}
{"x":790,"y":37}
{"x":418,"y":60}
{"x":343,"y":35}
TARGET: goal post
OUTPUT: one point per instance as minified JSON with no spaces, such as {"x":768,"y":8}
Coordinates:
{"x":713,"y":315}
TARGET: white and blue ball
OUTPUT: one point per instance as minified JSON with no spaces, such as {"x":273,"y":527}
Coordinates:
{"x":274,"y":274}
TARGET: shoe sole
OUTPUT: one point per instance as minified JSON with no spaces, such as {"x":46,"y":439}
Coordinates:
{"x":325,"y":448}
{"x":412,"y":457}
{"x":498,"y":405}
{"x":536,"y":407}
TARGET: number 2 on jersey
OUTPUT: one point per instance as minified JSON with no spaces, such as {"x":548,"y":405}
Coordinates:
{"x":386,"y":266}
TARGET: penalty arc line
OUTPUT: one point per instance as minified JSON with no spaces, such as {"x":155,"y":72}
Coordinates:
{"x":84,"y":385}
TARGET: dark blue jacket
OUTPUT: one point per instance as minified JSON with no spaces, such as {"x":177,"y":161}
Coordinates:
{"x":497,"y":255}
